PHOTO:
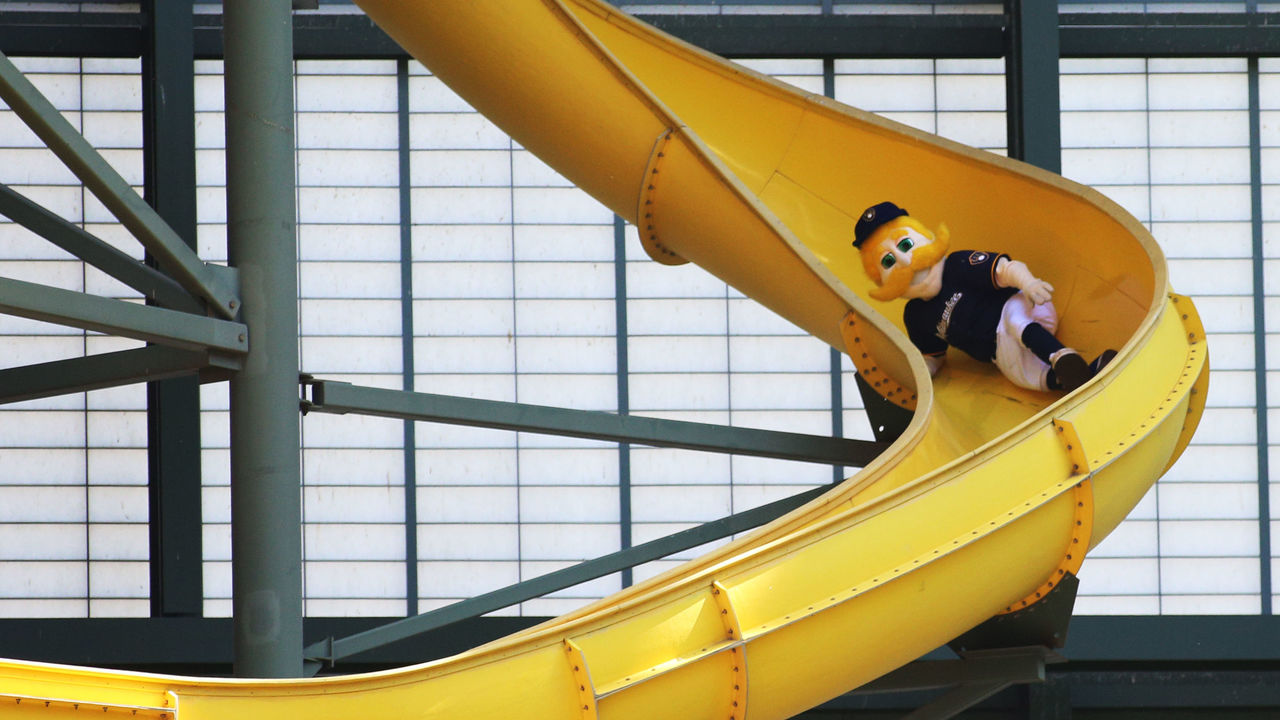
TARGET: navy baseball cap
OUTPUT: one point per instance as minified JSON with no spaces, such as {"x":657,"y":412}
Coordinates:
{"x":872,"y":218}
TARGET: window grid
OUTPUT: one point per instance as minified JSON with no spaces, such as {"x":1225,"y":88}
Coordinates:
{"x":512,"y":275}
{"x":1169,"y":141}
{"x":1269,"y":170}
{"x":73,"y":528}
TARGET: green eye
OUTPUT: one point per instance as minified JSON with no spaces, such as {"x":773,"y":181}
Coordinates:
{"x":905,"y":244}
{"x":887,"y":261}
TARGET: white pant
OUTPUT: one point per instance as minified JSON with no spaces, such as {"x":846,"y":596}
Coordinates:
{"x":1019,"y":364}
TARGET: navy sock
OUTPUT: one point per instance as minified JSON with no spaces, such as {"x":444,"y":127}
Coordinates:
{"x":1040,"y":341}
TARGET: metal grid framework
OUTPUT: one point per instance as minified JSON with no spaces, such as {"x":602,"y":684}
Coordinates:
{"x":1184,"y":144}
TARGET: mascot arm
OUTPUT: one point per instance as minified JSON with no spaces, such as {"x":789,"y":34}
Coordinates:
{"x":1014,"y":273}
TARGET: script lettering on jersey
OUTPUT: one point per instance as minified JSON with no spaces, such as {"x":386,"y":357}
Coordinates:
{"x":945,"y":322}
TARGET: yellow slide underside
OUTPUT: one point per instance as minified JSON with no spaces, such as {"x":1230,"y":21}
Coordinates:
{"x":981,"y":505}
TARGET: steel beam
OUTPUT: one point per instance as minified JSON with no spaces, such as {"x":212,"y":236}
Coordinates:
{"x":1259,"y":260}
{"x":1104,"y":34}
{"x":177,"y":259}
{"x":339,"y":398}
{"x":118,"y":317}
{"x":407,"y":362}
{"x":153,"y":284}
{"x":807,"y":36}
{"x":622,"y":373}
{"x":1170,"y":34}
{"x":1031,"y":83}
{"x":330,"y":650}
{"x":65,"y":34}
{"x":266,"y":506}
{"x":968,"y":681}
{"x":1018,"y":665}
{"x":95,"y":372}
{"x":203,"y":646}
{"x":174,"y":472}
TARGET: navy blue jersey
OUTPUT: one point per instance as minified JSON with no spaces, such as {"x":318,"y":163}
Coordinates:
{"x":965,"y":312}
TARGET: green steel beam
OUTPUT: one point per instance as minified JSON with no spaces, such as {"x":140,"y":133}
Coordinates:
{"x":210,"y":282}
{"x":340,"y":398}
{"x":1084,"y":34}
{"x":1031,"y":83}
{"x":1011,"y":665}
{"x":330,"y":650}
{"x":622,"y":374}
{"x":968,"y":681}
{"x":174,"y":472}
{"x":1170,"y":34}
{"x":407,"y":362}
{"x":853,"y":35}
{"x":262,"y":243}
{"x":95,"y":372}
{"x":153,"y":284}
{"x":1258,"y":216}
{"x":118,"y":317}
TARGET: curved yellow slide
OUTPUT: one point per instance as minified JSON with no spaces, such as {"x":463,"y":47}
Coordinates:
{"x":990,"y":496}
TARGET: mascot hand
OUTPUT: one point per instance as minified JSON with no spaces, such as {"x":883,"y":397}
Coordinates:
{"x":1014,"y":273}
{"x":1038,"y":292}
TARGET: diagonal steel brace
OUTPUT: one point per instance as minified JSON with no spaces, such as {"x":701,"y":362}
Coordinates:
{"x":173,"y":255}
{"x":153,"y":284}
{"x":118,"y":317}
{"x":113,"y":369}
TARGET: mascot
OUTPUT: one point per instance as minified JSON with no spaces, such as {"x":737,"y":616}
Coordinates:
{"x":986,"y":304}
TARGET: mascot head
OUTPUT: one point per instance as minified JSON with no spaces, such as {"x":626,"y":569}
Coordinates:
{"x":900,"y":255}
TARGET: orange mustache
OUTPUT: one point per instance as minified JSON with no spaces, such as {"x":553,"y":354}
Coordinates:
{"x":922,"y":258}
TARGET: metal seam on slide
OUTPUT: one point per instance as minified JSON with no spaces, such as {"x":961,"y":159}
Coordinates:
{"x":733,"y":631}
{"x":582,"y":678}
{"x":1081,"y":517}
{"x":53,"y":703}
{"x":869,"y":369}
{"x":1017,"y":512}
{"x":646,"y":212}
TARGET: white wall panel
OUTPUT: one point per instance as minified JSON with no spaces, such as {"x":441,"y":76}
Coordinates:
{"x":462,"y":504}
{"x":513,"y":298}
{"x":1169,"y":140}
{"x":79,"y":461}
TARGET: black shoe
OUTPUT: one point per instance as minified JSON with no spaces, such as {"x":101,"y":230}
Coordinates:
{"x":1071,"y":371}
{"x":1101,"y":361}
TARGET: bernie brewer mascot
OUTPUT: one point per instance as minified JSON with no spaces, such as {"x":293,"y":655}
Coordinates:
{"x":986,"y":304}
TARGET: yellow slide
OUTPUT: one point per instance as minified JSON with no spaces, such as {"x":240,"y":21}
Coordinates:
{"x":988,"y":499}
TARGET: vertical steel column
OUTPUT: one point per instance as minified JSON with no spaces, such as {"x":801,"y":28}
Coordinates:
{"x":173,"y":406}
{"x":1260,"y":336}
{"x":266,"y":536}
{"x":1033,"y":106}
{"x":624,"y":385}
{"x":406,"y":339}
{"x":837,"y":370}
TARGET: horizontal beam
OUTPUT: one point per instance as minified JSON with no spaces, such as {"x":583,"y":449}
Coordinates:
{"x":105,"y":370}
{"x":118,"y":317}
{"x":1011,"y":665}
{"x":153,"y":284}
{"x":340,"y":398}
{"x":819,"y":36}
{"x":203,"y":646}
{"x":172,"y":254}
{"x":329,"y":651}
{"x":315,"y":36}
{"x":1179,"y":34}
{"x":336,"y":36}
{"x":1221,"y":672}
{"x":70,"y":34}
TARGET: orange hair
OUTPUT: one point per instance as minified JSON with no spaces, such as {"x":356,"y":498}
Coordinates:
{"x":900,"y":277}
